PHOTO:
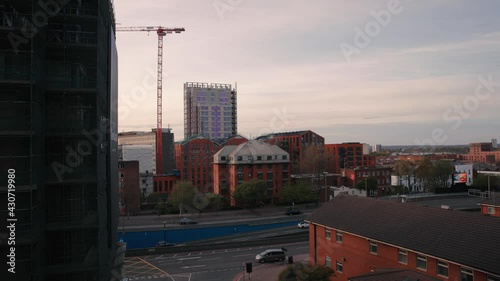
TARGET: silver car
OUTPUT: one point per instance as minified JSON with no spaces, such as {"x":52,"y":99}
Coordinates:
{"x":270,"y":255}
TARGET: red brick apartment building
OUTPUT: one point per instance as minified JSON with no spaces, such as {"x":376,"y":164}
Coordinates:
{"x":251,"y":160}
{"x":347,"y":155}
{"x":353,"y":177}
{"x":482,"y":152}
{"x":128,"y":188}
{"x":491,"y":207}
{"x":359,"y":236}
{"x":295,"y":143}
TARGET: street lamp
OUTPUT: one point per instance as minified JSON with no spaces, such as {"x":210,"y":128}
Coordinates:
{"x":165,"y":232}
{"x":326,"y":192}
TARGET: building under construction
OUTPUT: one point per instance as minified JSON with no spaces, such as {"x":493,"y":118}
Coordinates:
{"x":210,"y":110}
{"x":58,"y":121}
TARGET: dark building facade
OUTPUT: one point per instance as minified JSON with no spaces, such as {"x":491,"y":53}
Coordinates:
{"x":129,"y":191}
{"x":58,"y":137}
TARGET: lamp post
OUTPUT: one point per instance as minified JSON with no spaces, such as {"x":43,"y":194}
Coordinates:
{"x":165,"y":232}
{"x":326,"y":192}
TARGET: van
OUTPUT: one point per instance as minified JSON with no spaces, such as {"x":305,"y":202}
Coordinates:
{"x":270,"y":255}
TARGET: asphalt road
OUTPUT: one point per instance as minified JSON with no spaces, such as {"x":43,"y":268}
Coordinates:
{"x":217,"y":265}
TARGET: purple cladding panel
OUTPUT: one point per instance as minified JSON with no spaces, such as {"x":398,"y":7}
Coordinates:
{"x":216,"y":123}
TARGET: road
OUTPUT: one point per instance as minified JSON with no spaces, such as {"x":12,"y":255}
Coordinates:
{"x":217,"y":265}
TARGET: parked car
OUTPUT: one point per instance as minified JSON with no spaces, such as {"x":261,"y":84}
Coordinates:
{"x":187,"y":221}
{"x":164,"y":244}
{"x":291,"y":212}
{"x":270,"y":255}
{"x":303,"y":224}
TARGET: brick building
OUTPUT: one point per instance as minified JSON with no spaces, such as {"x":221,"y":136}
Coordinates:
{"x":251,"y":160}
{"x":358,"y":235}
{"x":295,"y":144}
{"x":482,"y":152}
{"x":353,"y":177}
{"x":129,"y":190}
{"x":348,"y":155}
{"x":193,"y":160}
{"x":491,"y":206}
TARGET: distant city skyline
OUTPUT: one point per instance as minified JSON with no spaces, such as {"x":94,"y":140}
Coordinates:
{"x":379,"y":72}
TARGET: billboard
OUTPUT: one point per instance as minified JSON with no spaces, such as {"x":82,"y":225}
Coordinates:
{"x":460,"y":178}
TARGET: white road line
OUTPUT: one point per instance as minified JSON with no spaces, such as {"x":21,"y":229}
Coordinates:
{"x":302,"y":248}
{"x":212,"y":259}
{"x":201,"y":265}
{"x":242,"y":255}
{"x":192,"y":258}
{"x":158,"y":257}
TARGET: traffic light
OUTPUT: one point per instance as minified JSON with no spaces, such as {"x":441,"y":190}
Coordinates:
{"x":249,"y":267}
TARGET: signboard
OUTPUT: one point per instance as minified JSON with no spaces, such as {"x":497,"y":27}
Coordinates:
{"x":460,"y":178}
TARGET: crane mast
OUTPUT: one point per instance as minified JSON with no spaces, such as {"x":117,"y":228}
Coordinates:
{"x":161,"y":31}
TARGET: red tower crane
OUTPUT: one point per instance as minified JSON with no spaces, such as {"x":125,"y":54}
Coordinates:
{"x":161,"y":31}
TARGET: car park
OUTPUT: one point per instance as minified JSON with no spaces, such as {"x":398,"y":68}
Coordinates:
{"x":291,"y":212}
{"x":303,"y":224}
{"x":270,"y":255}
{"x":184,"y":221}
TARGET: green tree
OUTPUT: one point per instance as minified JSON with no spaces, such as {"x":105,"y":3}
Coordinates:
{"x":250,"y":193}
{"x":183,"y":194}
{"x":442,"y":173}
{"x":153,"y":197}
{"x":371,"y":184}
{"x":306,"y":272}
{"x":405,"y":169}
{"x":314,"y":163}
{"x":424,"y":171}
{"x":300,"y":192}
{"x":481,"y":182}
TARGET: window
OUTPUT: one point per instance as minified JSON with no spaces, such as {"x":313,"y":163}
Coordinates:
{"x":491,"y":210}
{"x":284,"y":157}
{"x":339,"y":266}
{"x":373,"y":247}
{"x":338,"y":237}
{"x":491,"y":278}
{"x":249,"y":158}
{"x":328,"y":234}
{"x":442,"y":268}
{"x":239,"y":158}
{"x":403,"y":256}
{"x":328,"y":262}
{"x":421,"y":262}
{"x":259,"y":158}
{"x":466,"y":275}
{"x":269,"y":158}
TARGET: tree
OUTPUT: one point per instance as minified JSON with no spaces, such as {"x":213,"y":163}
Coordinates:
{"x":481,"y":182}
{"x":371,"y":184}
{"x":183,"y":194}
{"x":250,"y":193}
{"x":405,"y":169}
{"x":442,"y":172}
{"x":314,"y":163}
{"x":153,"y":197}
{"x":299,"y":193}
{"x":306,"y":272}
{"x":424,"y":169}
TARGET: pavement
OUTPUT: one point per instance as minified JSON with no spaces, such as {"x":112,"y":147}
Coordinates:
{"x":269,"y":271}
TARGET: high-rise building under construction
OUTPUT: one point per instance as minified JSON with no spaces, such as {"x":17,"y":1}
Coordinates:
{"x":58,"y":139}
{"x":209,"y":110}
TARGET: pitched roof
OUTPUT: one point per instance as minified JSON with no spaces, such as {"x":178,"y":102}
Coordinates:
{"x":393,"y":275}
{"x":464,"y":238}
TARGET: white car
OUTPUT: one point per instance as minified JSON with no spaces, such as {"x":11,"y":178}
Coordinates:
{"x":303,"y":224}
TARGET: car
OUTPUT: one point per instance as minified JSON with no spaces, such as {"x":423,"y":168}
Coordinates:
{"x":303,"y":224}
{"x":270,"y":255}
{"x":164,"y":244}
{"x":187,"y":221}
{"x":291,"y":212}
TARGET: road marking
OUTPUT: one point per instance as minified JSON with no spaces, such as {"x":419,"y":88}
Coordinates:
{"x":158,"y":257}
{"x":201,"y":265}
{"x":154,"y":267}
{"x":242,"y":255}
{"x":182,"y":259}
{"x":302,"y":247}
{"x":212,"y":259}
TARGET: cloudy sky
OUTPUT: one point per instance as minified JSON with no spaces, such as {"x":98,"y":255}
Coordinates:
{"x":378,"y":71}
